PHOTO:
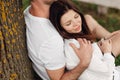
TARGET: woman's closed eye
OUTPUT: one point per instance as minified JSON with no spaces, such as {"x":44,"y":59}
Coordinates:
{"x":76,"y":16}
{"x":68,"y":23}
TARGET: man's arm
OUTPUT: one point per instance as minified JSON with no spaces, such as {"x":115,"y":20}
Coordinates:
{"x":85,"y":58}
{"x":96,"y":28}
{"x":60,"y":74}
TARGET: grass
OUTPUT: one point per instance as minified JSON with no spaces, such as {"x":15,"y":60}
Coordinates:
{"x":110,"y":21}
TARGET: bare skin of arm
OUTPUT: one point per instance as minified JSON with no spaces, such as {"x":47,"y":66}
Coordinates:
{"x":101,"y":32}
{"x":115,"y":38}
{"x":96,"y":28}
{"x":84,"y":56}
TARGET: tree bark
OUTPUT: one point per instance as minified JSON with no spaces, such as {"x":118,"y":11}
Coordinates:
{"x":14,"y":61}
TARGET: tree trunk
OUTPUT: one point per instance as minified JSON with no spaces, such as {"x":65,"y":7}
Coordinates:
{"x":14,"y":61}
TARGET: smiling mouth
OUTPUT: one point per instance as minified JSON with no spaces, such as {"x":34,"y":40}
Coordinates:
{"x":78,"y":28}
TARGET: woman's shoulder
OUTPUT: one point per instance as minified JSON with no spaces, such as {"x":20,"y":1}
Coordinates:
{"x":91,"y":22}
{"x":87,"y":16}
{"x":74,"y":41}
{"x":69,"y":40}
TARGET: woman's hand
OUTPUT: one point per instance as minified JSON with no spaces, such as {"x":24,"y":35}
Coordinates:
{"x":84,"y":52}
{"x":105,"y":45}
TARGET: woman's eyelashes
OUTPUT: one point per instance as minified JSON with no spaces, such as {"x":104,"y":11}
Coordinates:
{"x":68,"y":23}
{"x":76,"y":16}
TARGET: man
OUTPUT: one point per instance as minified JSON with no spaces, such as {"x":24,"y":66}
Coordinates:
{"x":45,"y":45}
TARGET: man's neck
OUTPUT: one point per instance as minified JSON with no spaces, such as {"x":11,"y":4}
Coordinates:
{"x":39,"y":9}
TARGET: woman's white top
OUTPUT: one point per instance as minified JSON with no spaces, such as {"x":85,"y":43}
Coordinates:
{"x":101,"y":67}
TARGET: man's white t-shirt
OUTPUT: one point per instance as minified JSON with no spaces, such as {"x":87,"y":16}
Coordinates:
{"x":45,"y":45}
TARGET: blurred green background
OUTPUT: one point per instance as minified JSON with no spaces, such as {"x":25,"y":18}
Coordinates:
{"x":110,"y":21}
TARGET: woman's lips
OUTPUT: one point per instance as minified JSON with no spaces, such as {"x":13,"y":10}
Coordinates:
{"x":78,"y":28}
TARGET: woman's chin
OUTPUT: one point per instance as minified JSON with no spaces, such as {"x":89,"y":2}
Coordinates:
{"x":78,"y":31}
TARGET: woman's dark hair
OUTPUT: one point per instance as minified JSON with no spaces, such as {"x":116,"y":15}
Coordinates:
{"x":57,"y":9}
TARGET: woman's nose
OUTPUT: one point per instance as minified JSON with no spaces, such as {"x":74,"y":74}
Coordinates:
{"x":75,"y":23}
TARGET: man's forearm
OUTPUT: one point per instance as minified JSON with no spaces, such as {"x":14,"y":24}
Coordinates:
{"x":74,"y":73}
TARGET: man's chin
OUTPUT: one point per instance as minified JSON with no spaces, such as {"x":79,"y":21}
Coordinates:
{"x":49,"y":2}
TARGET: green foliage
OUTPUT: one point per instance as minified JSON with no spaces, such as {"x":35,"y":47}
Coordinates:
{"x":117,"y":60}
{"x":25,"y":3}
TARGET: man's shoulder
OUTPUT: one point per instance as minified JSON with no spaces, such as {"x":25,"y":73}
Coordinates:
{"x":26,"y":10}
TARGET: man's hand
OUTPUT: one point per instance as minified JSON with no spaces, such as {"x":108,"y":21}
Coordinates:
{"x":84,"y":52}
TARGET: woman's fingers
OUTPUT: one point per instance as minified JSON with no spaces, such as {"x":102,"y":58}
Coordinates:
{"x":110,"y":41}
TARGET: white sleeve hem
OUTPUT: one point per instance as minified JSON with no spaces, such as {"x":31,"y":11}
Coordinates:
{"x":57,"y":67}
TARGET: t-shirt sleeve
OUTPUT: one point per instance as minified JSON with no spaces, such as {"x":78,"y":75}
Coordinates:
{"x":52,"y":53}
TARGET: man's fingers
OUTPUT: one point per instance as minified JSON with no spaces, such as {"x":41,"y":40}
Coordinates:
{"x":84,"y":40}
{"x":80,"y":40}
{"x":89,"y":42}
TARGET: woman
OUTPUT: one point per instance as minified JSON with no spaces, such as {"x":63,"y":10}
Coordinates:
{"x":71,"y":25}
